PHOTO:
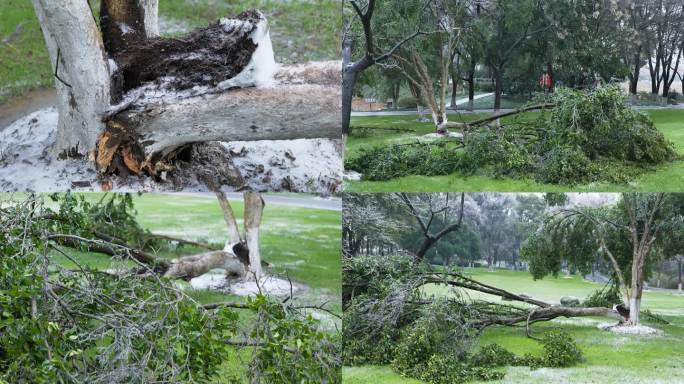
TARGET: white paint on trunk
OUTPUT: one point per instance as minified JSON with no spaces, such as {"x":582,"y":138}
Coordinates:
{"x":151,"y":9}
{"x":252,"y":235}
{"x":262,"y":66}
{"x":634,"y":308}
{"x":69,"y":28}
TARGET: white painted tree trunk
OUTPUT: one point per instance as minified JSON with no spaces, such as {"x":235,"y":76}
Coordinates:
{"x":254,"y":206}
{"x":71,"y":33}
{"x":151,"y":20}
{"x":634,"y":308}
{"x":229,"y":216}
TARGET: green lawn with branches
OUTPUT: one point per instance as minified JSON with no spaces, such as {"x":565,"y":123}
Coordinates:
{"x":369,"y":131}
{"x":609,"y":357}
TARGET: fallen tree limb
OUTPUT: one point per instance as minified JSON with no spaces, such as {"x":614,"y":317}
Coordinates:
{"x":302,"y":103}
{"x":493,"y":117}
{"x":462,"y":281}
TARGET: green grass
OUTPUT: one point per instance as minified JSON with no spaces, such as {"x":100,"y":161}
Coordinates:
{"x":609,"y":357}
{"x":667,"y":177}
{"x":301,"y":31}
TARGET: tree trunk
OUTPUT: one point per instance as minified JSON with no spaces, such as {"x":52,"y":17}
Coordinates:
{"x":497,"y":89}
{"x":471,"y":87}
{"x":454,"y":88}
{"x":188,"y":267}
{"x":679,"y":267}
{"x":82,"y":80}
{"x":350,"y":74}
{"x":634,"y":76}
{"x":254,"y":206}
{"x":229,"y":217}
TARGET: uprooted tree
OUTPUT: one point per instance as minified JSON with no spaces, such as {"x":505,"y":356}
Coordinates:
{"x":132,"y":101}
{"x":627,"y":235}
{"x":64,"y":322}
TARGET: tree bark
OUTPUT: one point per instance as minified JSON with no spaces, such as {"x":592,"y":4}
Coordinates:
{"x":303,"y":103}
{"x":497,"y":89}
{"x":81,"y":70}
{"x":229,"y":217}
{"x":254,"y":206}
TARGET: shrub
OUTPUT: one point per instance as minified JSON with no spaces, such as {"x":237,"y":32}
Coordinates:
{"x":563,"y":165}
{"x":560,"y":350}
{"x":383,"y":163}
{"x":493,"y":355}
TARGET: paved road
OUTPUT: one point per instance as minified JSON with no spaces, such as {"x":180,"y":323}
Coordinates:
{"x":305,"y":201}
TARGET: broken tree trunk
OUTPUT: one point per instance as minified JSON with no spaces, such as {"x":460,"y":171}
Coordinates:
{"x":188,"y":267}
{"x":254,"y":206}
{"x":543,"y":311}
{"x":218,"y":83}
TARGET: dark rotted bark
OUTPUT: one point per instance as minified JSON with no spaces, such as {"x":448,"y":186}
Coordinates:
{"x":122,"y":23}
{"x":206,"y":56}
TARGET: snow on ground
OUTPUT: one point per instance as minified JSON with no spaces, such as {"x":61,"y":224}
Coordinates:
{"x":216,"y":280}
{"x":436,"y":136}
{"x":634,"y":330}
{"x":27,"y":163}
{"x":306,"y":165}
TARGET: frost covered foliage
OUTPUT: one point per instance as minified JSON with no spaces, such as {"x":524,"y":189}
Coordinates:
{"x":388,"y":321}
{"x":586,"y":137}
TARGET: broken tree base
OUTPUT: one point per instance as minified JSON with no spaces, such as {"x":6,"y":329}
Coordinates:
{"x":27,"y":164}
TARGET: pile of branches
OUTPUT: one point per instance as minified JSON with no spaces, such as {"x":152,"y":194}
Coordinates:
{"x":390,"y":320}
{"x":67,"y":323}
{"x":579,"y":137}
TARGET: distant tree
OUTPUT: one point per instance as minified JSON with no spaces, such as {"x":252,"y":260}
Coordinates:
{"x":508,"y":26}
{"x":376,"y":43}
{"x":425,"y":209}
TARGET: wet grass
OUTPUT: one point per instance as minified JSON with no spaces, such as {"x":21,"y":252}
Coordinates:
{"x":609,"y":357}
{"x":667,"y":177}
{"x":301,"y":30}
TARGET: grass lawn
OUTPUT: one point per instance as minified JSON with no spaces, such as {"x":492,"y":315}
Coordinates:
{"x":665,"y":178}
{"x":300,"y":30}
{"x":300,"y":242}
{"x":610,"y":357}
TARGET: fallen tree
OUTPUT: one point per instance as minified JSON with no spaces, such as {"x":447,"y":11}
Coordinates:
{"x":78,"y":324}
{"x":110,"y":228}
{"x":127,"y":96}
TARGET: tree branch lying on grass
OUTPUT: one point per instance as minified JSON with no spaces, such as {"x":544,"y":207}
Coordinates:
{"x":497,"y":116}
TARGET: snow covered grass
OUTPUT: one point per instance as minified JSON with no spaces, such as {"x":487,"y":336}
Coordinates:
{"x":611,"y":357}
